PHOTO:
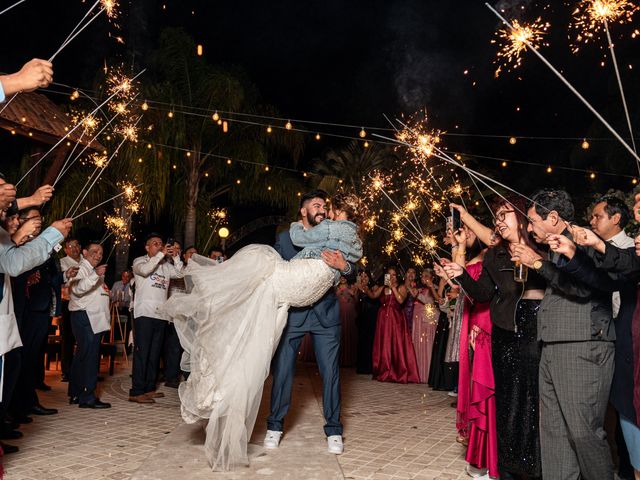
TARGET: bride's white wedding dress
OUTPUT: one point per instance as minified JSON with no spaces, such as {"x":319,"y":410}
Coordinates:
{"x":231,"y":324}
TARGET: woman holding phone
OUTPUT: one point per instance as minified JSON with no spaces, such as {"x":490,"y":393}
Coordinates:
{"x":394,"y":359}
{"x":515,"y":350}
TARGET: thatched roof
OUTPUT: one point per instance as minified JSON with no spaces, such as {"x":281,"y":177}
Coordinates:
{"x":35,"y":116}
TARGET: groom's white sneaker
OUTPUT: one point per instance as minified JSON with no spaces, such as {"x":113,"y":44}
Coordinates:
{"x":272,"y":439}
{"x":335,"y":445}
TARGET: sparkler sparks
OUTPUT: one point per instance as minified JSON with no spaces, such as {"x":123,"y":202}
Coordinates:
{"x":110,"y":8}
{"x":592,"y":16}
{"x":118,"y":227}
{"x":100,"y":161}
{"x":515,"y":41}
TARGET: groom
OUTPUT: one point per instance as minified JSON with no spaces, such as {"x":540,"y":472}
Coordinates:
{"x":322,"y":321}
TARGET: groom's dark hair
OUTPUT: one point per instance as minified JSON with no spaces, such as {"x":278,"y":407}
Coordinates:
{"x":311,"y":195}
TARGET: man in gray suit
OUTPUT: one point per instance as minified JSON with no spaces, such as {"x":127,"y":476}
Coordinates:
{"x":576,"y":365}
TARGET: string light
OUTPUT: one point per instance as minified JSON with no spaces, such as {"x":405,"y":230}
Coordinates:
{"x":170,"y":114}
{"x":549,"y":169}
{"x":504,"y":164}
{"x":592,"y":176}
{"x":215,"y":117}
{"x":228,"y":161}
{"x":513,"y":140}
{"x":317,"y":136}
{"x":288,"y":125}
{"x":585,"y":145}
{"x":366,"y":144}
{"x":269,"y":129}
{"x":225,"y":126}
{"x":199,"y":50}
{"x":145,"y":106}
{"x":634,"y":181}
{"x":238,"y":181}
{"x":362,"y":133}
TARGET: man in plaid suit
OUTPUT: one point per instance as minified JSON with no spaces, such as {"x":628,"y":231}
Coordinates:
{"x":576,"y":365}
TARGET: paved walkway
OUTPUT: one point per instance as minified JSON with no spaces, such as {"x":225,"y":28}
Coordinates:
{"x":391,"y":432}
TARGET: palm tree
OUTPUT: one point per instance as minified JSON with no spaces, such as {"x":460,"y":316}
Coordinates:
{"x":190,"y":85}
{"x":349,"y":166}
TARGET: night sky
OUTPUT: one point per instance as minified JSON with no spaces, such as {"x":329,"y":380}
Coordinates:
{"x":353,"y":61}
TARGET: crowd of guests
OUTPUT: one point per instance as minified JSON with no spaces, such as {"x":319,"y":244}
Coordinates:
{"x":531,"y":324}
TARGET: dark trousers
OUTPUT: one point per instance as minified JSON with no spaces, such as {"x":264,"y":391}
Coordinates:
{"x":12,"y":365}
{"x":34,"y":332}
{"x":326,"y":344}
{"x":147,"y":345}
{"x":172,"y":353}
{"x":84,"y":368}
{"x":67,"y":339}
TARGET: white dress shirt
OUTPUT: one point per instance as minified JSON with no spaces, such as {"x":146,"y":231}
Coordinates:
{"x":89,"y":293}
{"x":152,"y":277}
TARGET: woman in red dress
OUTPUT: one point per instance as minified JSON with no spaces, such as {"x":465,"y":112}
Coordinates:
{"x":394,"y":359}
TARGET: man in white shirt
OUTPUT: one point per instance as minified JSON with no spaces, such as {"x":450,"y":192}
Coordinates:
{"x":67,"y":340}
{"x":152,"y":274}
{"x":90,"y":316}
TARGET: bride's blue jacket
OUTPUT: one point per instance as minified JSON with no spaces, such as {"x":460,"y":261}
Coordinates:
{"x":327,"y":309}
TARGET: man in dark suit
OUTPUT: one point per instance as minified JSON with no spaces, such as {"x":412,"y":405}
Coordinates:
{"x":322,"y":321}
{"x":576,"y":365}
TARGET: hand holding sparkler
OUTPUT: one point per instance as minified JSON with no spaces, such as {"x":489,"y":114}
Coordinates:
{"x":100,"y":270}
{"x":448,"y":269}
{"x":27,"y":230}
{"x":562,"y":245}
{"x":586,"y":238}
{"x":63,"y":226}
{"x":41,"y":195}
{"x":7,"y":195}
{"x":34,"y":74}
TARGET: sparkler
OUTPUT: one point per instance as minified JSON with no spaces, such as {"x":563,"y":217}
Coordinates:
{"x":515,"y":41}
{"x":594,"y":16}
{"x":570,"y":86}
{"x":102,"y":203}
{"x":219,"y":217}
{"x":88,"y":186}
{"x":12,"y":6}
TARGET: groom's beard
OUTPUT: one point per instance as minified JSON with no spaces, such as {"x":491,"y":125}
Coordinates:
{"x":314,"y":220}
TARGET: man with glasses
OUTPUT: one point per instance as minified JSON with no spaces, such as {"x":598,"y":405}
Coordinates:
{"x":152,"y":274}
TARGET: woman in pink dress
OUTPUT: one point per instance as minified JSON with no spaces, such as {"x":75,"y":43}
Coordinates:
{"x":476,"y":408}
{"x":394,"y":359}
{"x":425,"y":321}
{"x":347,"y":298}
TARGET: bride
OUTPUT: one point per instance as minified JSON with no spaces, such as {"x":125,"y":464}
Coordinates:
{"x":232,"y":320}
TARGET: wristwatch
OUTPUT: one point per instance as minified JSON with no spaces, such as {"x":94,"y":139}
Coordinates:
{"x":537,"y":265}
{"x":347,"y":269}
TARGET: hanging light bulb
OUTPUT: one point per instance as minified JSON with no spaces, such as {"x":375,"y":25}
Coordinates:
{"x":513,"y":140}
{"x":288,"y":125}
{"x":145,"y":106}
{"x":266,"y":168}
{"x":362,"y":133}
{"x":228,"y":161}
{"x":549,"y":169}
{"x":366,"y":144}
{"x":504,"y":164}
{"x":634,"y":181}
{"x":269,"y":129}
{"x":317,"y":136}
{"x":585,"y":144}
{"x":215,"y":117}
{"x":219,"y":122}
{"x":170,"y":114}
{"x":592,"y":176}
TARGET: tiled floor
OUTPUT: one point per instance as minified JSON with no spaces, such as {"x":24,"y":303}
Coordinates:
{"x":391,"y":432}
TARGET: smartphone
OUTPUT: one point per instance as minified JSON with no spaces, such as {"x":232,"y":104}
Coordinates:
{"x":171,"y":241}
{"x":387,"y":279}
{"x":456,"y":224}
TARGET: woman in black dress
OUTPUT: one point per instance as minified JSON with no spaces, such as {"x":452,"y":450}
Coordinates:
{"x":365,"y":323}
